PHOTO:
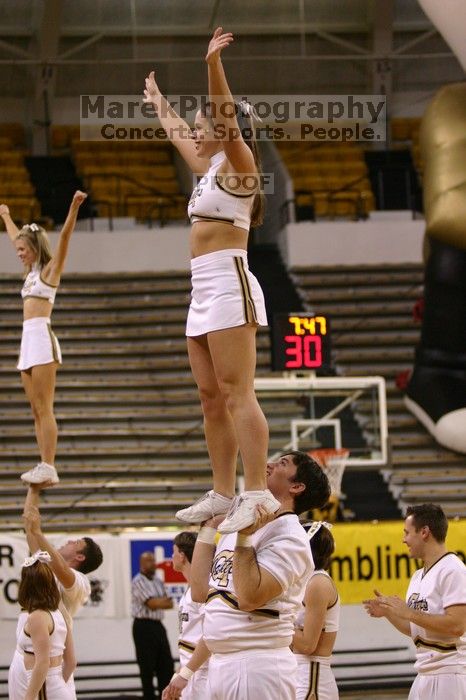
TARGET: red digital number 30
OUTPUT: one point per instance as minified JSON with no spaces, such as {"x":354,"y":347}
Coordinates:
{"x":306,"y":351}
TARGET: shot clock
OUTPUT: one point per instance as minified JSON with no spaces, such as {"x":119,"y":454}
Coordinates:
{"x":300,"y":342}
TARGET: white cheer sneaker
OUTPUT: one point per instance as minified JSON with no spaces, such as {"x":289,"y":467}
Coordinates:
{"x":206,"y":507}
{"x":243,"y":511}
{"x":42,"y":473}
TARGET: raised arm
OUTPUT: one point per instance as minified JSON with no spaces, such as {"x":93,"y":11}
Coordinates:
{"x":11,"y":228}
{"x":38,"y":630}
{"x":237,"y":152}
{"x":31,"y":519}
{"x":54,"y":268}
{"x":178,"y":131}
{"x":203,"y":556}
{"x":36,"y":539}
{"x":201,"y":565}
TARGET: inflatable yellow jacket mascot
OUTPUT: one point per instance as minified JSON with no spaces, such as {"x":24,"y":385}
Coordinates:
{"x":436,"y":392}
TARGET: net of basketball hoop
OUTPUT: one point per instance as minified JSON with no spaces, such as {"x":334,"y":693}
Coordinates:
{"x":333,"y":462}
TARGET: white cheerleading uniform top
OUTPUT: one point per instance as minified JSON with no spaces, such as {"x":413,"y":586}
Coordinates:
{"x":57,"y":635}
{"x":282,"y":549}
{"x":441,"y":586}
{"x":211,"y":201}
{"x":75,"y":597}
{"x":34,"y":286}
{"x":190,"y":622}
{"x":332,"y":615}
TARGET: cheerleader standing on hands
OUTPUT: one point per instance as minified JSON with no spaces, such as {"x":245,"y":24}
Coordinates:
{"x":227,"y":302}
{"x":40,"y":352}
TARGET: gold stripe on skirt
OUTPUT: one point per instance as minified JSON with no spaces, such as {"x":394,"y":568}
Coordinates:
{"x":249,"y":307}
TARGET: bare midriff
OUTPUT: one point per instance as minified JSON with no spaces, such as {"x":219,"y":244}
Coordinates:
{"x":33,"y":308}
{"x":211,"y":236}
{"x":30,"y":660}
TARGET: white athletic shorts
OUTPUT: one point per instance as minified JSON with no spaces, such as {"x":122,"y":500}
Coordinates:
{"x":39,"y":344}
{"x":197,"y":688}
{"x":225,"y":294}
{"x":54,"y":687}
{"x":253,"y":675}
{"x":438,"y":686}
{"x":315,"y":679}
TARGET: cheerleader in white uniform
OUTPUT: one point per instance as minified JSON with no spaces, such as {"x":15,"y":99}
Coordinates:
{"x":44,"y":658}
{"x":317,"y":624}
{"x":434,"y":613}
{"x":227,"y":303}
{"x":191,"y":619}
{"x":40,"y":352}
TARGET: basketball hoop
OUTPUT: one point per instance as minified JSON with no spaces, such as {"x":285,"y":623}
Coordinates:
{"x":333,"y":462}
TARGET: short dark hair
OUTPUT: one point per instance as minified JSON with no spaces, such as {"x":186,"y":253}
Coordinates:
{"x":185,"y":542}
{"x":310,"y":473}
{"x":431,"y":515}
{"x":93,"y":554}
{"x":38,"y":589}
{"x":322,"y":547}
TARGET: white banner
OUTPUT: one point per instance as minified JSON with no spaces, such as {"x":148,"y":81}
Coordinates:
{"x":13,"y":551}
{"x":110,"y":583}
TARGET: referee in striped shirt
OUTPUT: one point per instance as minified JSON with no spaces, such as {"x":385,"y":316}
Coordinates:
{"x":148,"y":600}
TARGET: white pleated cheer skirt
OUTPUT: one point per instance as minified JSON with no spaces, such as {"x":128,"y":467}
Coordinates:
{"x":225,"y":293}
{"x":39,"y":344}
{"x":315,"y":678}
{"x":54,"y":687}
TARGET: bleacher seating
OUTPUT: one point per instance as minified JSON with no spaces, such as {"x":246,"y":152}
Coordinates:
{"x":130,"y":178}
{"x":131,"y":445}
{"x":15,"y":134}
{"x":62,"y":136}
{"x":16,"y":188}
{"x":404,"y":129}
{"x":332,"y":178}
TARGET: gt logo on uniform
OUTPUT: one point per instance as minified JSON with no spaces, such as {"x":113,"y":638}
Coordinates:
{"x":417,"y":603}
{"x":222,"y":568}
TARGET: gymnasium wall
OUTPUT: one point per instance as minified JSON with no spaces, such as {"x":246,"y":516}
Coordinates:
{"x":132,"y":248}
{"x":387,"y":237}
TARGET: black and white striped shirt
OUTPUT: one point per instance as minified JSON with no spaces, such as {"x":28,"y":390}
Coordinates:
{"x":143,"y":588}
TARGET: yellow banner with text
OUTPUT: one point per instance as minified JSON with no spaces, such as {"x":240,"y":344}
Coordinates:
{"x":372,"y":555}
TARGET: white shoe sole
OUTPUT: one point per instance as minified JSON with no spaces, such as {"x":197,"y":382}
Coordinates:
{"x":227,"y":528}
{"x":199,"y":518}
{"x":27,"y":480}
